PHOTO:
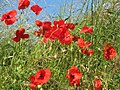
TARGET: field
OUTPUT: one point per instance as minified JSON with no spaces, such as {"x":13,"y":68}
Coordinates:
{"x":21,"y":59}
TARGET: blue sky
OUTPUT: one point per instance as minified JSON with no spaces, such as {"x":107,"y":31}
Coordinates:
{"x":50,"y":7}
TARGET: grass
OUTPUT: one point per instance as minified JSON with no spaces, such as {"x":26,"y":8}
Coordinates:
{"x":18,"y":61}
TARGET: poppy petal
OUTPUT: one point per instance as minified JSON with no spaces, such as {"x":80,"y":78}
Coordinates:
{"x":25,"y":36}
{"x":32,"y":86}
{"x":32,"y":79}
{"x":36,"y":9}
{"x":12,"y":13}
{"x":10,"y":21}
{"x":16,"y":39}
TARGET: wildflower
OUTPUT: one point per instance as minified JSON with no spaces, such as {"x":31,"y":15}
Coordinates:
{"x":41,"y":77}
{"x":71,"y":26}
{"x":97,"y":84}
{"x":38,"y":23}
{"x":46,"y":25}
{"x":58,"y":31}
{"x":37,"y":33}
{"x":109,"y":52}
{"x":85,"y":29}
{"x":9,"y":17}
{"x":88,"y":44}
{"x":82,"y":44}
{"x":36,"y":9}
{"x":74,"y":76}
{"x":58,"y":23}
{"x":88,"y":52}
{"x":23,"y":4}
{"x":68,"y":38}
{"x":20,"y":35}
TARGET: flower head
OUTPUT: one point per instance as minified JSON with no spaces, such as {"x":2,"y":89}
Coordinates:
{"x":20,"y":35}
{"x":88,"y":52}
{"x":74,"y":76}
{"x":36,"y":9}
{"x":85,"y":29}
{"x":81,"y":43}
{"x":41,"y":77}
{"x":97,"y":84}
{"x":37,"y":33}
{"x":23,"y":4}
{"x":38,"y":23}
{"x":71,"y":26}
{"x":109,"y":52}
{"x":9,"y":17}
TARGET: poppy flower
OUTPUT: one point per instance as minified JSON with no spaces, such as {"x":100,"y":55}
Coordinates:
{"x":85,"y":29}
{"x":87,"y":52}
{"x":32,"y":86}
{"x":74,"y":76}
{"x":82,"y":44}
{"x":37,"y":33}
{"x":9,"y":17}
{"x":97,"y":84}
{"x":109,"y":52}
{"x":38,"y":23}
{"x":58,"y":23}
{"x":46,"y":25}
{"x":41,"y":77}
{"x":88,"y":44}
{"x":68,"y":39}
{"x":23,"y":4}
{"x":20,"y":35}
{"x":71,"y":26}
{"x":36,"y":9}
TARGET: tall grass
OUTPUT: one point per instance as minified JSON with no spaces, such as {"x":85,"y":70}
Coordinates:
{"x":18,"y":61}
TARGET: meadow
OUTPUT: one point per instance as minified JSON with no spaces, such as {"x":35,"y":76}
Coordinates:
{"x":45,"y":45}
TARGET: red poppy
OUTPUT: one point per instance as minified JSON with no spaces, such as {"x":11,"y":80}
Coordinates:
{"x":109,"y":52}
{"x":85,"y":29}
{"x":38,"y":23}
{"x":37,"y":33}
{"x":58,"y":23}
{"x":20,"y":34}
{"x":88,"y":44}
{"x":88,"y":52}
{"x":23,"y":4}
{"x":71,"y":26}
{"x":74,"y":76}
{"x":41,"y":77}
{"x":97,"y":84}
{"x":81,"y":43}
{"x":68,"y":38}
{"x":58,"y":31}
{"x":36,"y":9}
{"x":46,"y":25}
{"x":9,"y":17}
{"x":32,"y":86}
